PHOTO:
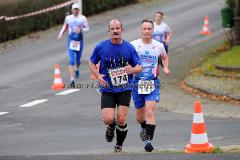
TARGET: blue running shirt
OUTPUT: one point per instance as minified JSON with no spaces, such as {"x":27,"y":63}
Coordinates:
{"x":114,"y":57}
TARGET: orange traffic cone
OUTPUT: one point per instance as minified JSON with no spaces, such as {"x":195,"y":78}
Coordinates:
{"x":199,"y":138}
{"x":93,"y":77}
{"x":58,"y":83}
{"x":205,"y":29}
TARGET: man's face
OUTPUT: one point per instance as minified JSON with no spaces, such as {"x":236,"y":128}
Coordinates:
{"x":158,"y":17}
{"x":75,"y":11}
{"x":115,"y":30}
{"x":146,"y":30}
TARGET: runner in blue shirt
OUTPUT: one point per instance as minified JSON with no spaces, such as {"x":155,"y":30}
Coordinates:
{"x":118,"y":62}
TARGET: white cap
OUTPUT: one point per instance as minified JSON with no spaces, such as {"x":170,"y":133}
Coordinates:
{"x":76,"y":6}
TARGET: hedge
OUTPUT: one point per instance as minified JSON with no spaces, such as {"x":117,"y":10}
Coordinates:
{"x":17,"y":28}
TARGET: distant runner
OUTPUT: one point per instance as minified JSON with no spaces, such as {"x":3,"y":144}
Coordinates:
{"x":76,"y":24}
{"x":162,"y":32}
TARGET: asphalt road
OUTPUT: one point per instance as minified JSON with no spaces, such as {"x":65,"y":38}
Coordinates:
{"x":71,"y":124}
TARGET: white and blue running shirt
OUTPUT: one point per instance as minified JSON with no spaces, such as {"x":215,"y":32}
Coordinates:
{"x":160,"y":32}
{"x":149,"y":54}
{"x":75,"y":22}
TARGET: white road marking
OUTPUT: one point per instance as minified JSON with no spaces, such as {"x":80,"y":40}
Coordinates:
{"x":66,"y":92}
{"x":33,"y":103}
{"x":2,"y":113}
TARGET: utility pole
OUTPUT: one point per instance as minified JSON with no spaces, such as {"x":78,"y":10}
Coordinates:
{"x":80,"y":2}
{"x":237,"y":8}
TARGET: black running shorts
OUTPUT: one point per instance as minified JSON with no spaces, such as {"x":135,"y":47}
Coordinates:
{"x":112,"y":100}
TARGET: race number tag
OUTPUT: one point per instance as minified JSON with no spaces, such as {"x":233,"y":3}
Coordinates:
{"x":145,"y":86}
{"x":118,"y":76}
{"x":75,"y":45}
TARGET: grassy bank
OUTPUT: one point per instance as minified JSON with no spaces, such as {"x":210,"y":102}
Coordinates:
{"x":228,"y":59}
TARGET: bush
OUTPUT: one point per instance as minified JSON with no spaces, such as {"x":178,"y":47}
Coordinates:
{"x":16,"y":28}
{"x":231,"y":3}
{"x":91,"y":7}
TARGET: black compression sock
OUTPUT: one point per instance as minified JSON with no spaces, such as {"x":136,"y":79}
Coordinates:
{"x":143,"y":124}
{"x":121,"y":134}
{"x":150,"y":131}
{"x":113,"y":125}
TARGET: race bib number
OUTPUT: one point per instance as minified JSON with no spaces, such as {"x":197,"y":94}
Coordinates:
{"x":118,"y":76}
{"x":145,"y":86}
{"x":75,"y":45}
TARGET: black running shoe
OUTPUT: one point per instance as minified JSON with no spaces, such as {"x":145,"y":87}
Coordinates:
{"x":117,"y":149}
{"x":148,"y":147}
{"x":72,"y":84}
{"x":109,"y":134}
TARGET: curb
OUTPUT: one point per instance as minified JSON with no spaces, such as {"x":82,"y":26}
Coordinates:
{"x":227,"y":68}
{"x":218,"y":76}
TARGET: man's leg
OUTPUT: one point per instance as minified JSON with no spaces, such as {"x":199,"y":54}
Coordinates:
{"x":108,"y":113}
{"x":109,"y":120}
{"x":71,"y":66}
{"x":139,"y":104}
{"x":71,"y":72}
{"x":122,"y":129}
{"x":123,"y":101}
{"x":140,"y":117}
{"x":78,"y":60}
{"x":150,"y":107}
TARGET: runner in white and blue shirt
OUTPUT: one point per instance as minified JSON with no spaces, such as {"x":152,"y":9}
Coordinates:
{"x":146,"y":94}
{"x":76,"y":24}
{"x":162,"y":32}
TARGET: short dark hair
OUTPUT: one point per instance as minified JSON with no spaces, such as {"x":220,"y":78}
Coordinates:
{"x":148,"y":21}
{"x":159,"y":12}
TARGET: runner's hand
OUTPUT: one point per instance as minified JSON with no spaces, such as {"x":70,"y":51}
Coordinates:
{"x":77,"y":30}
{"x":129,"y":69}
{"x":166,"y":70}
{"x":59,"y":37}
{"x":101,"y":81}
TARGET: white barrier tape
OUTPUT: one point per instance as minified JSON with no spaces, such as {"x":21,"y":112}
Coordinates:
{"x":2,"y":17}
{"x":39,"y":12}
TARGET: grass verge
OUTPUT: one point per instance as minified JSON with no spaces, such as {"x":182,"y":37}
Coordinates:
{"x":230,"y":58}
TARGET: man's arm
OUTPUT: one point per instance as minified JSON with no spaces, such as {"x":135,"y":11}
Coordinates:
{"x":165,"y":64}
{"x":85,"y":25}
{"x":63,"y":30}
{"x":168,"y":35}
{"x":133,"y":70}
{"x":94,"y":71}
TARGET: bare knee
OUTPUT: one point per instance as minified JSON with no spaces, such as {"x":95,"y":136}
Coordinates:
{"x":140,"y":118}
{"x":121,"y":119}
{"x":149,"y":114}
{"x":140,"y":115}
{"x":108,"y":119}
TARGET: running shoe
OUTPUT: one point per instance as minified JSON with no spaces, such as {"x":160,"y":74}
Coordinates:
{"x":72,"y":84}
{"x":148,"y":147}
{"x":117,"y":149}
